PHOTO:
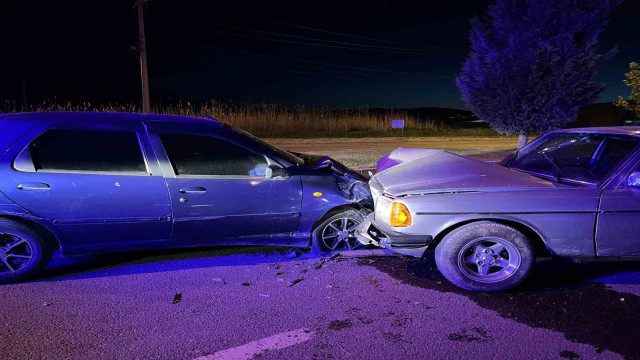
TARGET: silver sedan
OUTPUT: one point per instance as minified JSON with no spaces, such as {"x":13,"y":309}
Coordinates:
{"x":569,"y":193}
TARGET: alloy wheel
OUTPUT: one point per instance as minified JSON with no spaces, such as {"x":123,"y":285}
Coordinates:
{"x":489,"y":260}
{"x":15,"y":253}
{"x":339,"y":234}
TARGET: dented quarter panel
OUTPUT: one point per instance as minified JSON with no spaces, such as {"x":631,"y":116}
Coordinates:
{"x":336,"y":191}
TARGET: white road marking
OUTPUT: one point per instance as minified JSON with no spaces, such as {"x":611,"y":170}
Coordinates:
{"x":250,"y":350}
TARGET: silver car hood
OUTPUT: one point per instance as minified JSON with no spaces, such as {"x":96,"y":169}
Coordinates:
{"x":429,"y":171}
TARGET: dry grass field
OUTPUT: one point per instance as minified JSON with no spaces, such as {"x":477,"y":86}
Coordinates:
{"x":358,"y":138}
{"x":270,"y":120}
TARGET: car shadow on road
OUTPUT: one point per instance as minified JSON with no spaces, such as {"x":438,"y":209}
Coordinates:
{"x":558,"y":296}
{"x":119,"y":264}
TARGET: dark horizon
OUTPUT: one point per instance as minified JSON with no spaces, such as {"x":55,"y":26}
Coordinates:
{"x":81,"y":51}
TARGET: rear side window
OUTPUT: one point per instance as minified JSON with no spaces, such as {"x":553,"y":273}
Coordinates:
{"x":87,"y":151}
{"x":204,"y":155}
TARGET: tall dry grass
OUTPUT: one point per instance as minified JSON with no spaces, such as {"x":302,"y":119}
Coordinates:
{"x":270,"y":120}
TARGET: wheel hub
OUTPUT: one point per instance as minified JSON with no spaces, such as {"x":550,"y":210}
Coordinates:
{"x":489,"y":259}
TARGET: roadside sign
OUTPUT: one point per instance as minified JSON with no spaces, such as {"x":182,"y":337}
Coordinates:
{"x":397,"y":124}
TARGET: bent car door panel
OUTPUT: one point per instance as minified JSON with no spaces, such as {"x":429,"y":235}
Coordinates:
{"x":234,"y":208}
{"x":90,"y":205}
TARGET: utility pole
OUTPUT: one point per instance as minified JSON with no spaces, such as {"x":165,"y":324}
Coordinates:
{"x":146,"y":103}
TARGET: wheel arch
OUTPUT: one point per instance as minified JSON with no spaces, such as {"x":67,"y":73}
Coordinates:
{"x":540,"y":247}
{"x":41,"y":229}
{"x":335,"y":210}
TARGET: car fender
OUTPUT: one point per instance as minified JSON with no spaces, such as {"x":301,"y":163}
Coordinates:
{"x":544,"y":231}
{"x":323,"y":193}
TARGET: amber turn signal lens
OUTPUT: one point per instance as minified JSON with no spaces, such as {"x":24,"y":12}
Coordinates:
{"x":400,"y":215}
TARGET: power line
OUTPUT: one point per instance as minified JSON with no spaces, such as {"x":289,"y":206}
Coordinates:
{"x":329,"y":41}
{"x":317,"y":74}
{"x":359,"y":36}
{"x":312,"y":44}
{"x":336,"y":65}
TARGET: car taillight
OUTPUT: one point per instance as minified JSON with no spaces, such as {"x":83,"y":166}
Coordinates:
{"x":400,"y":215}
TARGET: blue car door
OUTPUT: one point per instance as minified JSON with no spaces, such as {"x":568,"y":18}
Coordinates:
{"x":218,"y":188}
{"x":93,"y":183}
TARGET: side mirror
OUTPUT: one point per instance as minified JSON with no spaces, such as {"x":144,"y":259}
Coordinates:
{"x":634,"y":180}
{"x":275,"y":171}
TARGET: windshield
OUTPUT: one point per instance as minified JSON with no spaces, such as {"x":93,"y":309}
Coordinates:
{"x":580,"y":157}
{"x":282,"y":153}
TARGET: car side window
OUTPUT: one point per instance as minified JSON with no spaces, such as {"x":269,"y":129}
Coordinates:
{"x":205,"y":155}
{"x":59,"y":150}
{"x":614,"y":151}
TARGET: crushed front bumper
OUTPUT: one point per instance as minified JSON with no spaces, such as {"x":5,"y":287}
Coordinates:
{"x":372,"y":233}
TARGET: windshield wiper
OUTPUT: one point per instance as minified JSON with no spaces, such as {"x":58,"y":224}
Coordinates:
{"x":558,"y":170}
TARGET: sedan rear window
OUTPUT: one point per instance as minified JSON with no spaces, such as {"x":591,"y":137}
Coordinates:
{"x":87,"y":151}
{"x":205,"y":155}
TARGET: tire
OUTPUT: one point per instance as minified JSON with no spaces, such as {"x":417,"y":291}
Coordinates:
{"x":321,"y":236}
{"x":23,"y":251}
{"x":485,"y":256}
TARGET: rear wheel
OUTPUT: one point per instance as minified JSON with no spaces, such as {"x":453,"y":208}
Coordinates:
{"x":485,"y":256}
{"x":337,"y":233}
{"x":23,"y":252}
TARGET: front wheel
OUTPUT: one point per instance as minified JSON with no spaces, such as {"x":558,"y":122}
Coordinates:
{"x":485,"y":256}
{"x":337,"y":233}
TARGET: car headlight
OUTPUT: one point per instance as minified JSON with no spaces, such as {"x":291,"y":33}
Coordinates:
{"x":400,"y":215}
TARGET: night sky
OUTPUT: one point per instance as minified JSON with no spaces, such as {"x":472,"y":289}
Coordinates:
{"x":200,"y":50}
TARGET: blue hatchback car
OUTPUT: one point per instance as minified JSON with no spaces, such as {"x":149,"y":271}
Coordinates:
{"x":90,"y":183}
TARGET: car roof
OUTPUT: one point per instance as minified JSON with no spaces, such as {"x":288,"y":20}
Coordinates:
{"x":105,"y":116}
{"x":615,"y":130}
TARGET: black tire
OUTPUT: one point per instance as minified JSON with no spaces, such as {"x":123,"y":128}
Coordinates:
{"x":31,"y":243}
{"x":460,"y":256}
{"x":319,"y":245}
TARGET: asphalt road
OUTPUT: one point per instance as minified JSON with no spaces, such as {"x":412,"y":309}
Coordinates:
{"x":240,"y":303}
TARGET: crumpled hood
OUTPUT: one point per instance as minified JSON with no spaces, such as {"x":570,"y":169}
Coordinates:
{"x":321,"y":162}
{"x":428,"y":171}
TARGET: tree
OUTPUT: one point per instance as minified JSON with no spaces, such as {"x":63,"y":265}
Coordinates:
{"x":633,"y":81}
{"x":532,"y":63}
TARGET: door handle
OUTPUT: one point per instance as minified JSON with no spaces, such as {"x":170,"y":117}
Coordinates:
{"x":192,"y":190}
{"x":34,"y":186}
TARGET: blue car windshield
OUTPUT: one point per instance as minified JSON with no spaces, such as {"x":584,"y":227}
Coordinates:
{"x":282,"y":153}
{"x":576,"y":157}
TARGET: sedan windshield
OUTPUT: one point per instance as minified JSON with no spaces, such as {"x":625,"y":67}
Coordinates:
{"x":578,"y":157}
{"x":293,"y":159}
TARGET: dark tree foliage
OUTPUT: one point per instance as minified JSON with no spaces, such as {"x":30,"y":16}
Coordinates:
{"x":532,"y":62}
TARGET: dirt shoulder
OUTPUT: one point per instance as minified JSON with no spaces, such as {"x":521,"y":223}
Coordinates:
{"x":388,"y":144}
{"x":365,"y":152}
